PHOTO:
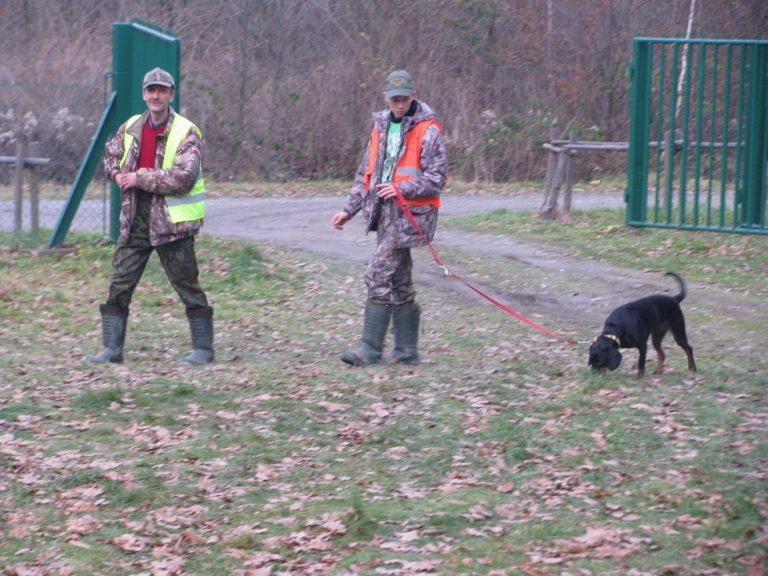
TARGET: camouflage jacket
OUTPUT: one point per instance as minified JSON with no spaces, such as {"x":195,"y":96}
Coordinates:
{"x":158,"y":182}
{"x":385,"y":216}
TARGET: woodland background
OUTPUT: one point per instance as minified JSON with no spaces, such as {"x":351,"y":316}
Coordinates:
{"x":284,"y":89}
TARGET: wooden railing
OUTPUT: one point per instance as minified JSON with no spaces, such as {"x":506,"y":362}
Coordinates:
{"x":560,"y":173}
{"x":27,"y":157}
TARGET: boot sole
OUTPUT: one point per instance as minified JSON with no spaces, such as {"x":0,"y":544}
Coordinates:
{"x":406,"y":362}
{"x":95,"y":360}
{"x":355,"y":360}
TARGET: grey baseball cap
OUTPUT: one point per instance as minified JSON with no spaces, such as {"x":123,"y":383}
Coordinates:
{"x":398,"y":83}
{"x":158,"y":77}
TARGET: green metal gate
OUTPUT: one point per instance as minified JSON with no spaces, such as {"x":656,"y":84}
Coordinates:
{"x":698,"y":152}
{"x":137,"y":47}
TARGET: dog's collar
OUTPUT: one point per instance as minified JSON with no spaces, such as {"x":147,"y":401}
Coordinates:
{"x":612,"y":337}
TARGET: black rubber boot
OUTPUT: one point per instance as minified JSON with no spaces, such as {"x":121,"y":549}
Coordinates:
{"x":405,"y":322}
{"x":114,"y":321}
{"x":375,"y":324}
{"x":201,"y":328}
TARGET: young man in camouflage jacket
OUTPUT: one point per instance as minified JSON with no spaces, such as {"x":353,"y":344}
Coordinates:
{"x":155,"y":158}
{"x":404,"y":163}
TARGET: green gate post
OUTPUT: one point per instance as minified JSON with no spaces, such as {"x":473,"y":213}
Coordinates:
{"x":122,"y":81}
{"x":756,"y":138}
{"x":637,"y":177}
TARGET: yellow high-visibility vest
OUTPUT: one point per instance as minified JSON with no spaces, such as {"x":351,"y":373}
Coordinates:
{"x":190,"y":206}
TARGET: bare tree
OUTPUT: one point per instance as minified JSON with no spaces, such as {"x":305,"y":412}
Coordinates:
{"x":285,"y":88}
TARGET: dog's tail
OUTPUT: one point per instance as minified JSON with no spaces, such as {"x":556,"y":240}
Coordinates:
{"x":683,"y":291}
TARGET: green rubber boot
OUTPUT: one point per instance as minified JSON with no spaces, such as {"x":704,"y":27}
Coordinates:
{"x":375,"y":324}
{"x":201,"y":328}
{"x":405,"y":322}
{"x":114,"y":321}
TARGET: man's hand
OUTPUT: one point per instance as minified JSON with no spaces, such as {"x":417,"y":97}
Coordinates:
{"x":386,"y":191}
{"x":339,"y":219}
{"x":125,"y":181}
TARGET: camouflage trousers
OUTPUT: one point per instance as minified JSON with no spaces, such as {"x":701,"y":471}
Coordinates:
{"x":389,"y":276}
{"x":177,"y":258}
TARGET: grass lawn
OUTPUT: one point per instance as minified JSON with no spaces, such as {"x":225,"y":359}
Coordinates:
{"x":501,"y":454}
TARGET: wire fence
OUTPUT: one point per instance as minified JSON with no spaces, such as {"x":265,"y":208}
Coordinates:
{"x":56,"y":121}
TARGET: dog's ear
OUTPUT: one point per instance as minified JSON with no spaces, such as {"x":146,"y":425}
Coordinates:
{"x":592,"y":355}
{"x":614,"y":358}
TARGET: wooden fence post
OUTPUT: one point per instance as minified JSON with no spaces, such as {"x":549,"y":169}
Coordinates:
{"x":549,"y":207}
{"x":21,"y":154}
{"x":551,"y":163}
{"x":569,"y":176}
{"x":34,"y":190}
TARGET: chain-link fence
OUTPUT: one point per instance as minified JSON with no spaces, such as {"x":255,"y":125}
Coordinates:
{"x":45,"y":130}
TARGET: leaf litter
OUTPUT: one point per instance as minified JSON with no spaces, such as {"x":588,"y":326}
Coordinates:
{"x":490,"y":458}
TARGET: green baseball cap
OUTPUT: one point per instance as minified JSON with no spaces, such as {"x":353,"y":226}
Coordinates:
{"x":398,"y":83}
{"x":158,"y":77}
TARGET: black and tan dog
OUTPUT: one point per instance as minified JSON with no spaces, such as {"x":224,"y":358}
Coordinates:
{"x":630,"y":325}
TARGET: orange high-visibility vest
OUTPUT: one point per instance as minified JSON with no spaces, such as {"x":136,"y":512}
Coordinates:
{"x":409,"y":165}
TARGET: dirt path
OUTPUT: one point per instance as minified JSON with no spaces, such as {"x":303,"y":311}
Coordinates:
{"x":303,"y":224}
{"x":547,"y":283}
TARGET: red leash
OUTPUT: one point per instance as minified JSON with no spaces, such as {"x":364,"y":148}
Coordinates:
{"x":439,"y":261}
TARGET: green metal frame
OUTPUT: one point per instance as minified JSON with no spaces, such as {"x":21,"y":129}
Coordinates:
{"x":84,"y":174}
{"x":137,"y":47}
{"x":701,"y":152}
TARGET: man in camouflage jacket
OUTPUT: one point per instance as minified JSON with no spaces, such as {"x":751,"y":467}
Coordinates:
{"x":398,"y":166}
{"x":152,"y":181}
{"x":155,"y":184}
